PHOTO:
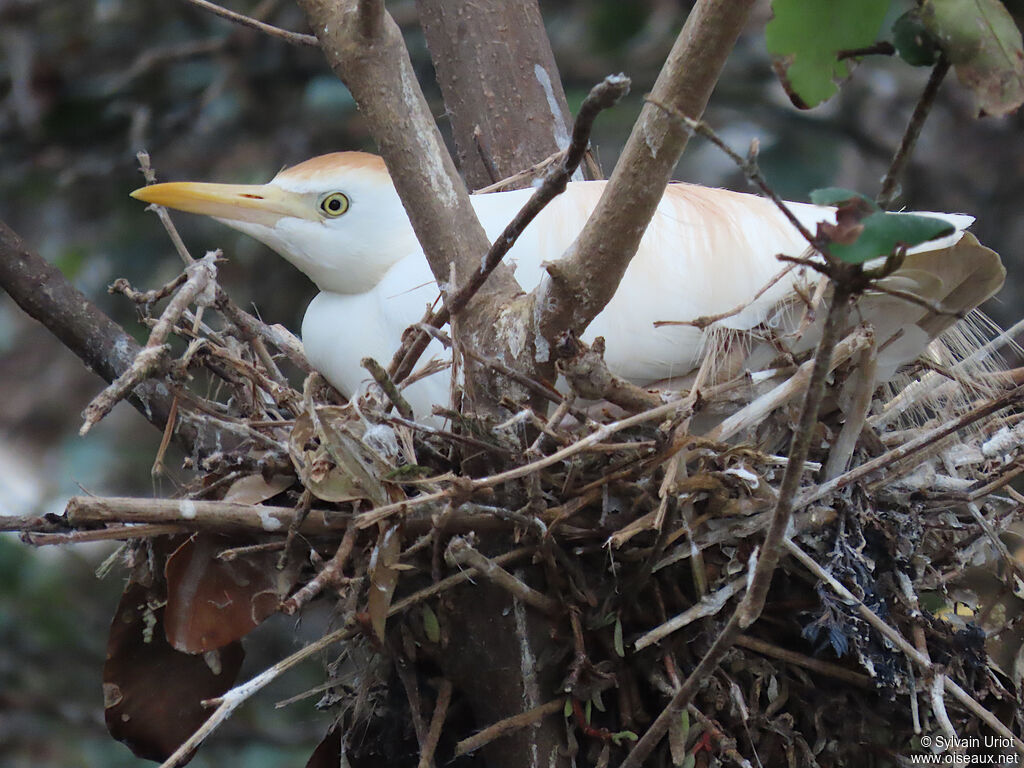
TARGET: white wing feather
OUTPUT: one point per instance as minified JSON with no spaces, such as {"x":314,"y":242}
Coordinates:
{"x":706,"y":252}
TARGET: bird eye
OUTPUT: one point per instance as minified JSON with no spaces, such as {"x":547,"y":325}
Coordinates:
{"x":334,"y":204}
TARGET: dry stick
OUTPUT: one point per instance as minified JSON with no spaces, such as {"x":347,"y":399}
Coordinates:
{"x":750,"y":607}
{"x":330,"y":574}
{"x":602,"y":96}
{"x":807,"y":662}
{"x":755,"y":412}
{"x":900,"y":642}
{"x":863,"y":380}
{"x":704,"y":321}
{"x":891,"y":182}
{"x":1009,"y":560}
{"x":745,"y":164}
{"x":581,"y":284}
{"x":502,"y":727}
{"x":461,"y":553}
{"x":939,"y":710}
{"x":115,"y":533}
{"x":388,"y":386}
{"x":444,"y":697}
{"x":202,"y":275}
{"x":230,"y":701}
{"x":229,"y":516}
{"x":931,"y":437}
{"x":165,"y":218}
{"x":295,"y":38}
{"x":709,"y":606}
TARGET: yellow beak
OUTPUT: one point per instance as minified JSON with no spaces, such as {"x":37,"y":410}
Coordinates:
{"x":256,"y":203}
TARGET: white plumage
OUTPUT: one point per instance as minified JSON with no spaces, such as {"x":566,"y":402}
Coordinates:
{"x":338,"y":219}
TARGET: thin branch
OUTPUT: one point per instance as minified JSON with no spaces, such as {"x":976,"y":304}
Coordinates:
{"x":295,"y":38}
{"x":384,"y":381}
{"x":230,"y":701}
{"x":746,"y":164}
{"x":461,"y":553}
{"x":891,"y":183}
{"x":330,"y":574}
{"x":863,"y":382}
{"x":807,"y":662}
{"x":502,"y":727}
{"x":890,"y":458}
{"x":165,"y":218}
{"x":202,"y":276}
{"x":114,"y":533}
{"x":704,"y":321}
{"x":589,"y":274}
{"x":881,"y":48}
{"x":602,"y":96}
{"x":709,"y":606}
{"x":444,"y":697}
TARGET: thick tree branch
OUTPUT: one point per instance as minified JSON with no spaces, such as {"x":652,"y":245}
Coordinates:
{"x":43,"y":292}
{"x":378,"y":72}
{"x":602,"y":96}
{"x":495,"y":67}
{"x":589,"y":275}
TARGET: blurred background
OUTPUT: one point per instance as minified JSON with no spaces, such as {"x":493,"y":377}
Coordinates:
{"x":86,"y":84}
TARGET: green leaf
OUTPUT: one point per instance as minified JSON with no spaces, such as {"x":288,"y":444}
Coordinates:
{"x":619,"y":737}
{"x":617,"y":638}
{"x":913,"y":41}
{"x":884,"y":232}
{"x":838,"y":196}
{"x":431,"y":626}
{"x":982,"y":41}
{"x":806,"y":36}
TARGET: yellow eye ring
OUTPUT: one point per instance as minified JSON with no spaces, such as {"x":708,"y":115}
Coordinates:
{"x":334,"y":204}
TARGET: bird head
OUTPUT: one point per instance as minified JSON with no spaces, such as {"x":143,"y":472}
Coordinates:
{"x":336,"y":217}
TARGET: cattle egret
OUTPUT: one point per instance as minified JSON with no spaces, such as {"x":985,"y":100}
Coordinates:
{"x":339,"y":220}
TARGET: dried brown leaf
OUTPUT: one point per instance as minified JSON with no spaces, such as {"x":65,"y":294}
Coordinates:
{"x":383,"y":577}
{"x":152,"y":693}
{"x":212,"y":602}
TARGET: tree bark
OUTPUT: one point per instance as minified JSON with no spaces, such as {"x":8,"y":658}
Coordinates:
{"x":501,"y":87}
{"x":582,"y":283}
{"x":43,"y":292}
{"x":364,"y":47}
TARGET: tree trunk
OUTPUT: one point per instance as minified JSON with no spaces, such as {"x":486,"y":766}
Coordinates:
{"x":500,"y":85}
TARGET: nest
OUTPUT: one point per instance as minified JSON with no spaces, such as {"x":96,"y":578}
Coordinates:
{"x":606,"y":549}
